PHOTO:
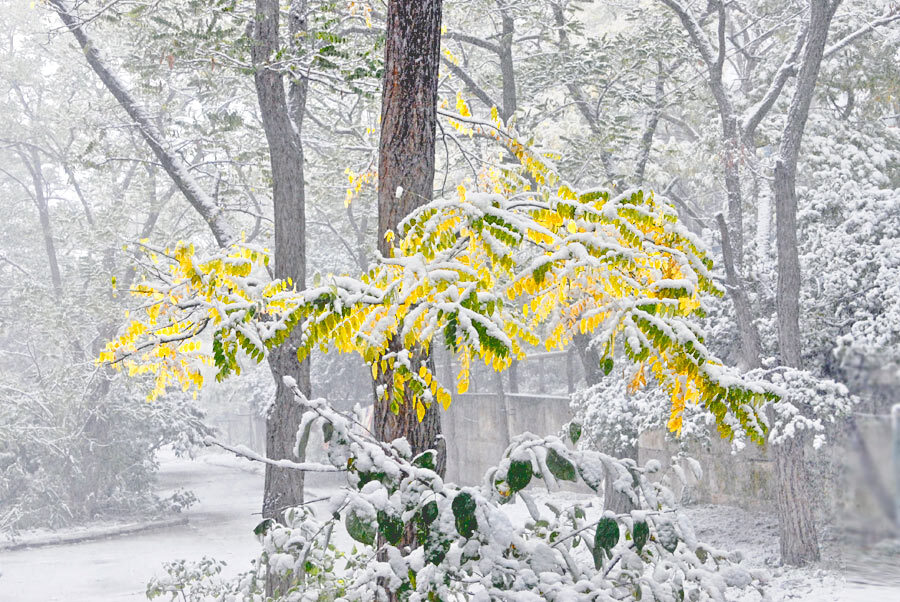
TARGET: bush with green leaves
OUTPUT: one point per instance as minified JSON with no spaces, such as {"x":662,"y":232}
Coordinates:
{"x":470,"y":545}
{"x":66,"y":458}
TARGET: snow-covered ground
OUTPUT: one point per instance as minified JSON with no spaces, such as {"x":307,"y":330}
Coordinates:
{"x":118,"y":568}
{"x":849,"y":571}
{"x":220,"y":526}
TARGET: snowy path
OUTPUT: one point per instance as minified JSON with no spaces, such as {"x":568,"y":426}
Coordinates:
{"x":118,"y":568}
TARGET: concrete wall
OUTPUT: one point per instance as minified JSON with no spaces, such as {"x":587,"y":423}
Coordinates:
{"x":477,"y":428}
{"x":841,"y":490}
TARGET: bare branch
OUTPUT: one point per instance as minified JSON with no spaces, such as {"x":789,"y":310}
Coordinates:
{"x":889,"y":17}
{"x":246,"y":452}
{"x":787,"y":69}
{"x":461,"y":37}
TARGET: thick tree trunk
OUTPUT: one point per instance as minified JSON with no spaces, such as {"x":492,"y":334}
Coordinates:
{"x":405,"y":182}
{"x":406,"y":166}
{"x":283,"y":487}
{"x":799,"y":544}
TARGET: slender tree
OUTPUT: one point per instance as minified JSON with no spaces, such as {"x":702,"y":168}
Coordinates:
{"x":281,"y":114}
{"x":799,"y":543}
{"x":282,"y":117}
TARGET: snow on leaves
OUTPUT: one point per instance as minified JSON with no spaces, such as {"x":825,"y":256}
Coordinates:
{"x":488,"y":274}
{"x":472,"y":549}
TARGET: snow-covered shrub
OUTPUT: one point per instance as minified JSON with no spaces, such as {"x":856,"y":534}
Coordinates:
{"x":187,"y":580}
{"x":470,"y":545}
{"x":808,"y":404}
{"x":67,"y":459}
{"x":850,"y":222}
{"x":612,"y":416}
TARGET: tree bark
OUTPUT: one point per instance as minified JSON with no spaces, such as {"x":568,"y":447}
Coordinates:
{"x":405,"y":182}
{"x":281,"y":119}
{"x":750,"y":342}
{"x":406,"y":172}
{"x":507,"y":67}
{"x":799,"y":543}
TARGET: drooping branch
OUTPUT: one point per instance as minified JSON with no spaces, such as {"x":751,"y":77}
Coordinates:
{"x":174,"y":165}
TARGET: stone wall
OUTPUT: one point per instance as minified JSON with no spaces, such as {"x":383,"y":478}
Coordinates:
{"x":478,"y":426}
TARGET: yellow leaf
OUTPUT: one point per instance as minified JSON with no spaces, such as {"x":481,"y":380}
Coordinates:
{"x":420,"y":410}
{"x":571,"y":227}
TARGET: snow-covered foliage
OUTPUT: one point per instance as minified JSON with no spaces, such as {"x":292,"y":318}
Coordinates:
{"x":851,"y":222}
{"x":471,"y":548}
{"x":807,"y":403}
{"x":65,"y":460}
{"x":486,"y":274}
{"x":613,"y":415}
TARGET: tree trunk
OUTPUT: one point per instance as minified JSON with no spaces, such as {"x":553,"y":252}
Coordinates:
{"x":283,"y":487}
{"x":406,"y":167}
{"x":799,"y":544}
{"x":405,"y":182}
{"x":32,"y":162}
{"x":507,"y":67}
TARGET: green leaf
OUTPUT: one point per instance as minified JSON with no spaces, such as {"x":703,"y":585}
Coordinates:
{"x":606,"y":365}
{"x":605,"y":539}
{"x":391,"y":527}
{"x":263,"y":527}
{"x":360,"y":529}
{"x":429,"y":512}
{"x":463,"y":507}
{"x":327,"y":431}
{"x":640,"y":533}
{"x":425,"y":460}
{"x":702,"y":554}
{"x":559,"y":467}
{"x":574,"y":432}
{"x":519,"y":475}
{"x":366,"y":477}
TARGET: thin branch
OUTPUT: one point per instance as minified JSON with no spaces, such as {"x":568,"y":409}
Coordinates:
{"x":788,"y":68}
{"x":889,"y":17}
{"x":246,"y":452}
{"x":461,"y":37}
{"x":477,"y":90}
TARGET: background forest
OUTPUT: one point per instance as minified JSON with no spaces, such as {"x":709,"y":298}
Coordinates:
{"x":131,"y":128}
